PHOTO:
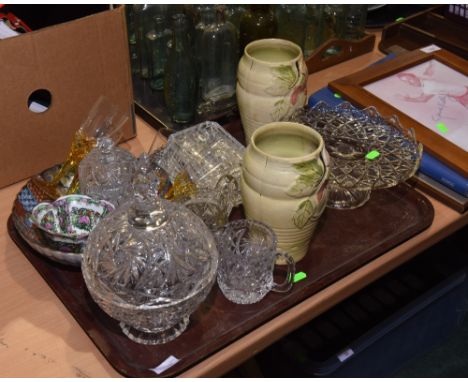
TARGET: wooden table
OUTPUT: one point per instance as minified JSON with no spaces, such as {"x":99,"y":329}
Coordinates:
{"x":40,"y":338}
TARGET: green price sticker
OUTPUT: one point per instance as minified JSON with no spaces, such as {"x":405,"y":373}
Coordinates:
{"x":442,"y":128}
{"x":299,"y":276}
{"x":371,"y":155}
{"x":336,"y":95}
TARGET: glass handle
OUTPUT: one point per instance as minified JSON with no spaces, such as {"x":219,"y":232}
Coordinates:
{"x":227,"y":187}
{"x":287,"y":284}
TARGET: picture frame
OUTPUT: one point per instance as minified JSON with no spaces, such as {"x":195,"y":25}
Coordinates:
{"x":359,"y":89}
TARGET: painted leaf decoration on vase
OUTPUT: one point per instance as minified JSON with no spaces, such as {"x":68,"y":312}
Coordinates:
{"x":304,"y":212}
{"x":287,"y":77}
{"x":311,"y":174}
{"x":280,"y":109}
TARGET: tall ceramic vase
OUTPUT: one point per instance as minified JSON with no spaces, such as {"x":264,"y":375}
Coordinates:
{"x":271,"y":83}
{"x":283,"y":184}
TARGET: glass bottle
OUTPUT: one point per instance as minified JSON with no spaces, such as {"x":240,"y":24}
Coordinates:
{"x":130,"y":17}
{"x":157,"y":40}
{"x":329,"y":27}
{"x":258,"y":22}
{"x":207,"y":17}
{"x":312,"y":29}
{"x":234,"y":13}
{"x":180,"y":85}
{"x":139,"y":15}
{"x":321,"y":20}
{"x":143,"y":14}
{"x":320,"y":26}
{"x":331,"y":14}
{"x":291,"y":22}
{"x":219,"y":58}
{"x":191,"y":11}
{"x":351,"y":21}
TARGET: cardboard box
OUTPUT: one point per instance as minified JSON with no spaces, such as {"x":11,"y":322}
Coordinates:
{"x":76,"y":62}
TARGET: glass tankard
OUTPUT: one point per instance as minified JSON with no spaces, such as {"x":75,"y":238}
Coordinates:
{"x":247,"y":251}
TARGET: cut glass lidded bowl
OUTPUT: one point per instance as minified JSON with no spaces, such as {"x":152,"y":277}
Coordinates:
{"x":149,"y":265}
{"x":368,"y":151}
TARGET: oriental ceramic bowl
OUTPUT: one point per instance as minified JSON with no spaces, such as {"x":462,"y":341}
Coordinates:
{"x":66,"y":223}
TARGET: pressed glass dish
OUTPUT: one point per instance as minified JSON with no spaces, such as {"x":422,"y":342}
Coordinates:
{"x":206,"y":151}
{"x":149,"y":265}
{"x":368,"y":151}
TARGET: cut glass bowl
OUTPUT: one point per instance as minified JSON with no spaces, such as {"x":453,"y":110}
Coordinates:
{"x":149,"y":265}
{"x":368,"y":151}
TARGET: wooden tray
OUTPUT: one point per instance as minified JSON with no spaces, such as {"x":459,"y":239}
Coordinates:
{"x":344,"y":241}
{"x":343,"y":50}
{"x":432,"y":26}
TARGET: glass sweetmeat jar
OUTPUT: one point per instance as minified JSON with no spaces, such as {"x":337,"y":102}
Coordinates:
{"x":150,"y":264}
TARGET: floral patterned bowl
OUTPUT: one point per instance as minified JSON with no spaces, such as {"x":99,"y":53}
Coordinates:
{"x":66,"y":223}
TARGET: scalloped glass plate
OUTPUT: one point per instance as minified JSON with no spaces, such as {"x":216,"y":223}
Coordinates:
{"x":368,"y":151}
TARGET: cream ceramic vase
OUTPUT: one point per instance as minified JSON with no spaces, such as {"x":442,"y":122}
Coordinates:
{"x":283,"y":183}
{"x":271,"y":83}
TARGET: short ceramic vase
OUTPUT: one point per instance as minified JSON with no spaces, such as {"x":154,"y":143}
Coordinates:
{"x":283,"y":184}
{"x":271,"y":83}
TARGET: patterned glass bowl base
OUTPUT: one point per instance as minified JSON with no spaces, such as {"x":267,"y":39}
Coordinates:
{"x":155,"y":338}
{"x":368,"y":151}
{"x":342,"y":198}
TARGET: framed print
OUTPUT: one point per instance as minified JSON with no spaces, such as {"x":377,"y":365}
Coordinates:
{"x":428,"y":90}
